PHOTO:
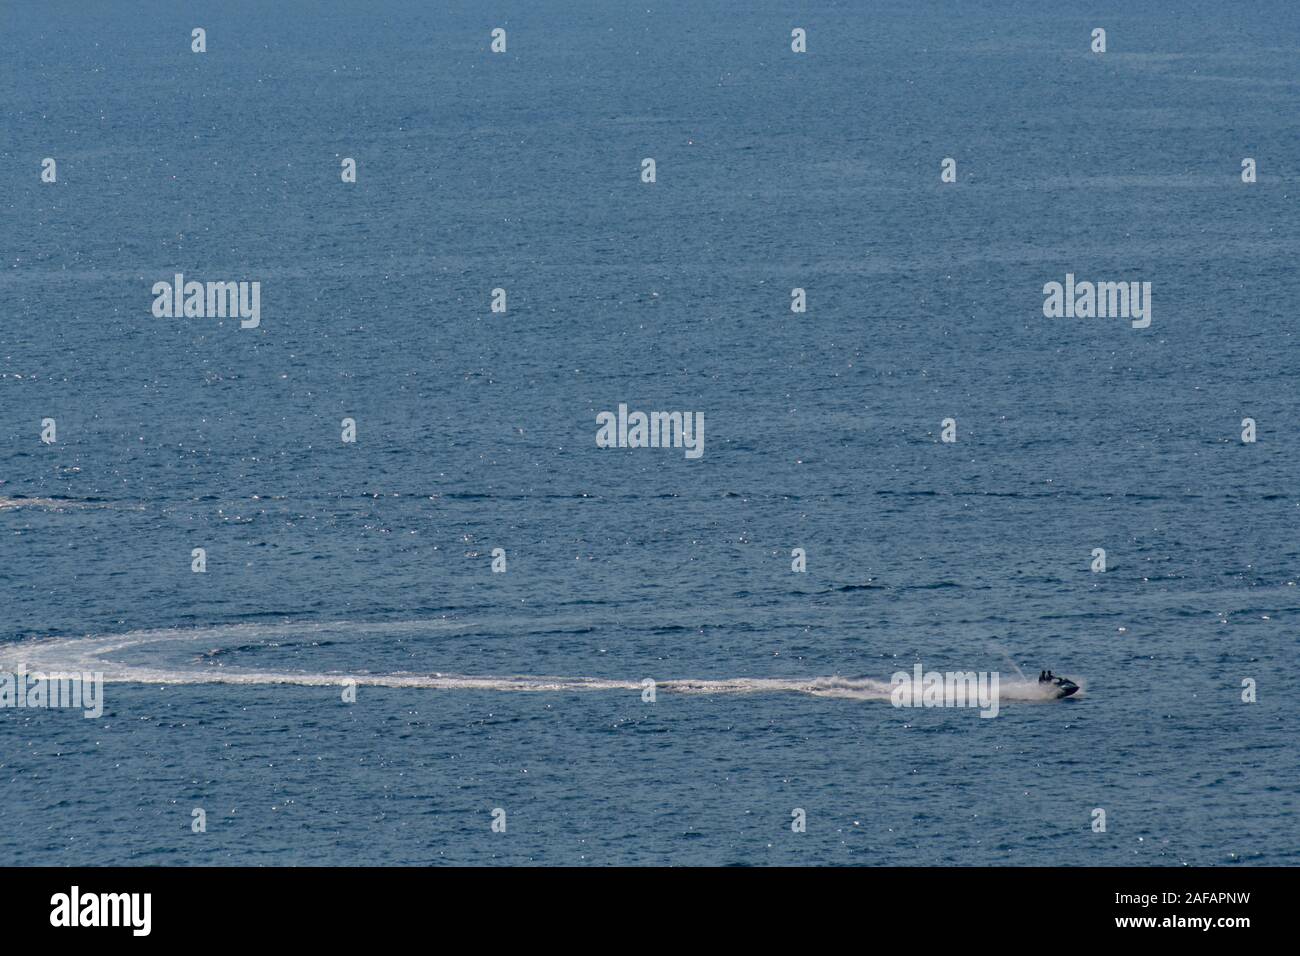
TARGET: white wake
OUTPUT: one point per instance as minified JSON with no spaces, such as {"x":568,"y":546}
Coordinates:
{"x":103,"y":654}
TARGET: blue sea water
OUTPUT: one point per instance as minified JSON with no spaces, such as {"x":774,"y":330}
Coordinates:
{"x":476,"y":431}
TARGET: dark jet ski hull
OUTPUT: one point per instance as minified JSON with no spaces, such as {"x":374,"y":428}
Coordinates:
{"x":1064,"y":687}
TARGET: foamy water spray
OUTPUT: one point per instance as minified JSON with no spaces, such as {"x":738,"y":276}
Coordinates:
{"x":102,"y":654}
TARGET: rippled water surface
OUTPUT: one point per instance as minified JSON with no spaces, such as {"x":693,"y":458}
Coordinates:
{"x":329,"y":562}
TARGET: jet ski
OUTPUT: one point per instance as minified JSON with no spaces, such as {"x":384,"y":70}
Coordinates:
{"x":1062,"y":686}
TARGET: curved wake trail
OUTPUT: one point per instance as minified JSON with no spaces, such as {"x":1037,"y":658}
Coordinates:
{"x":96,"y":654}
{"x":9,"y":504}
{"x":61,"y":504}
